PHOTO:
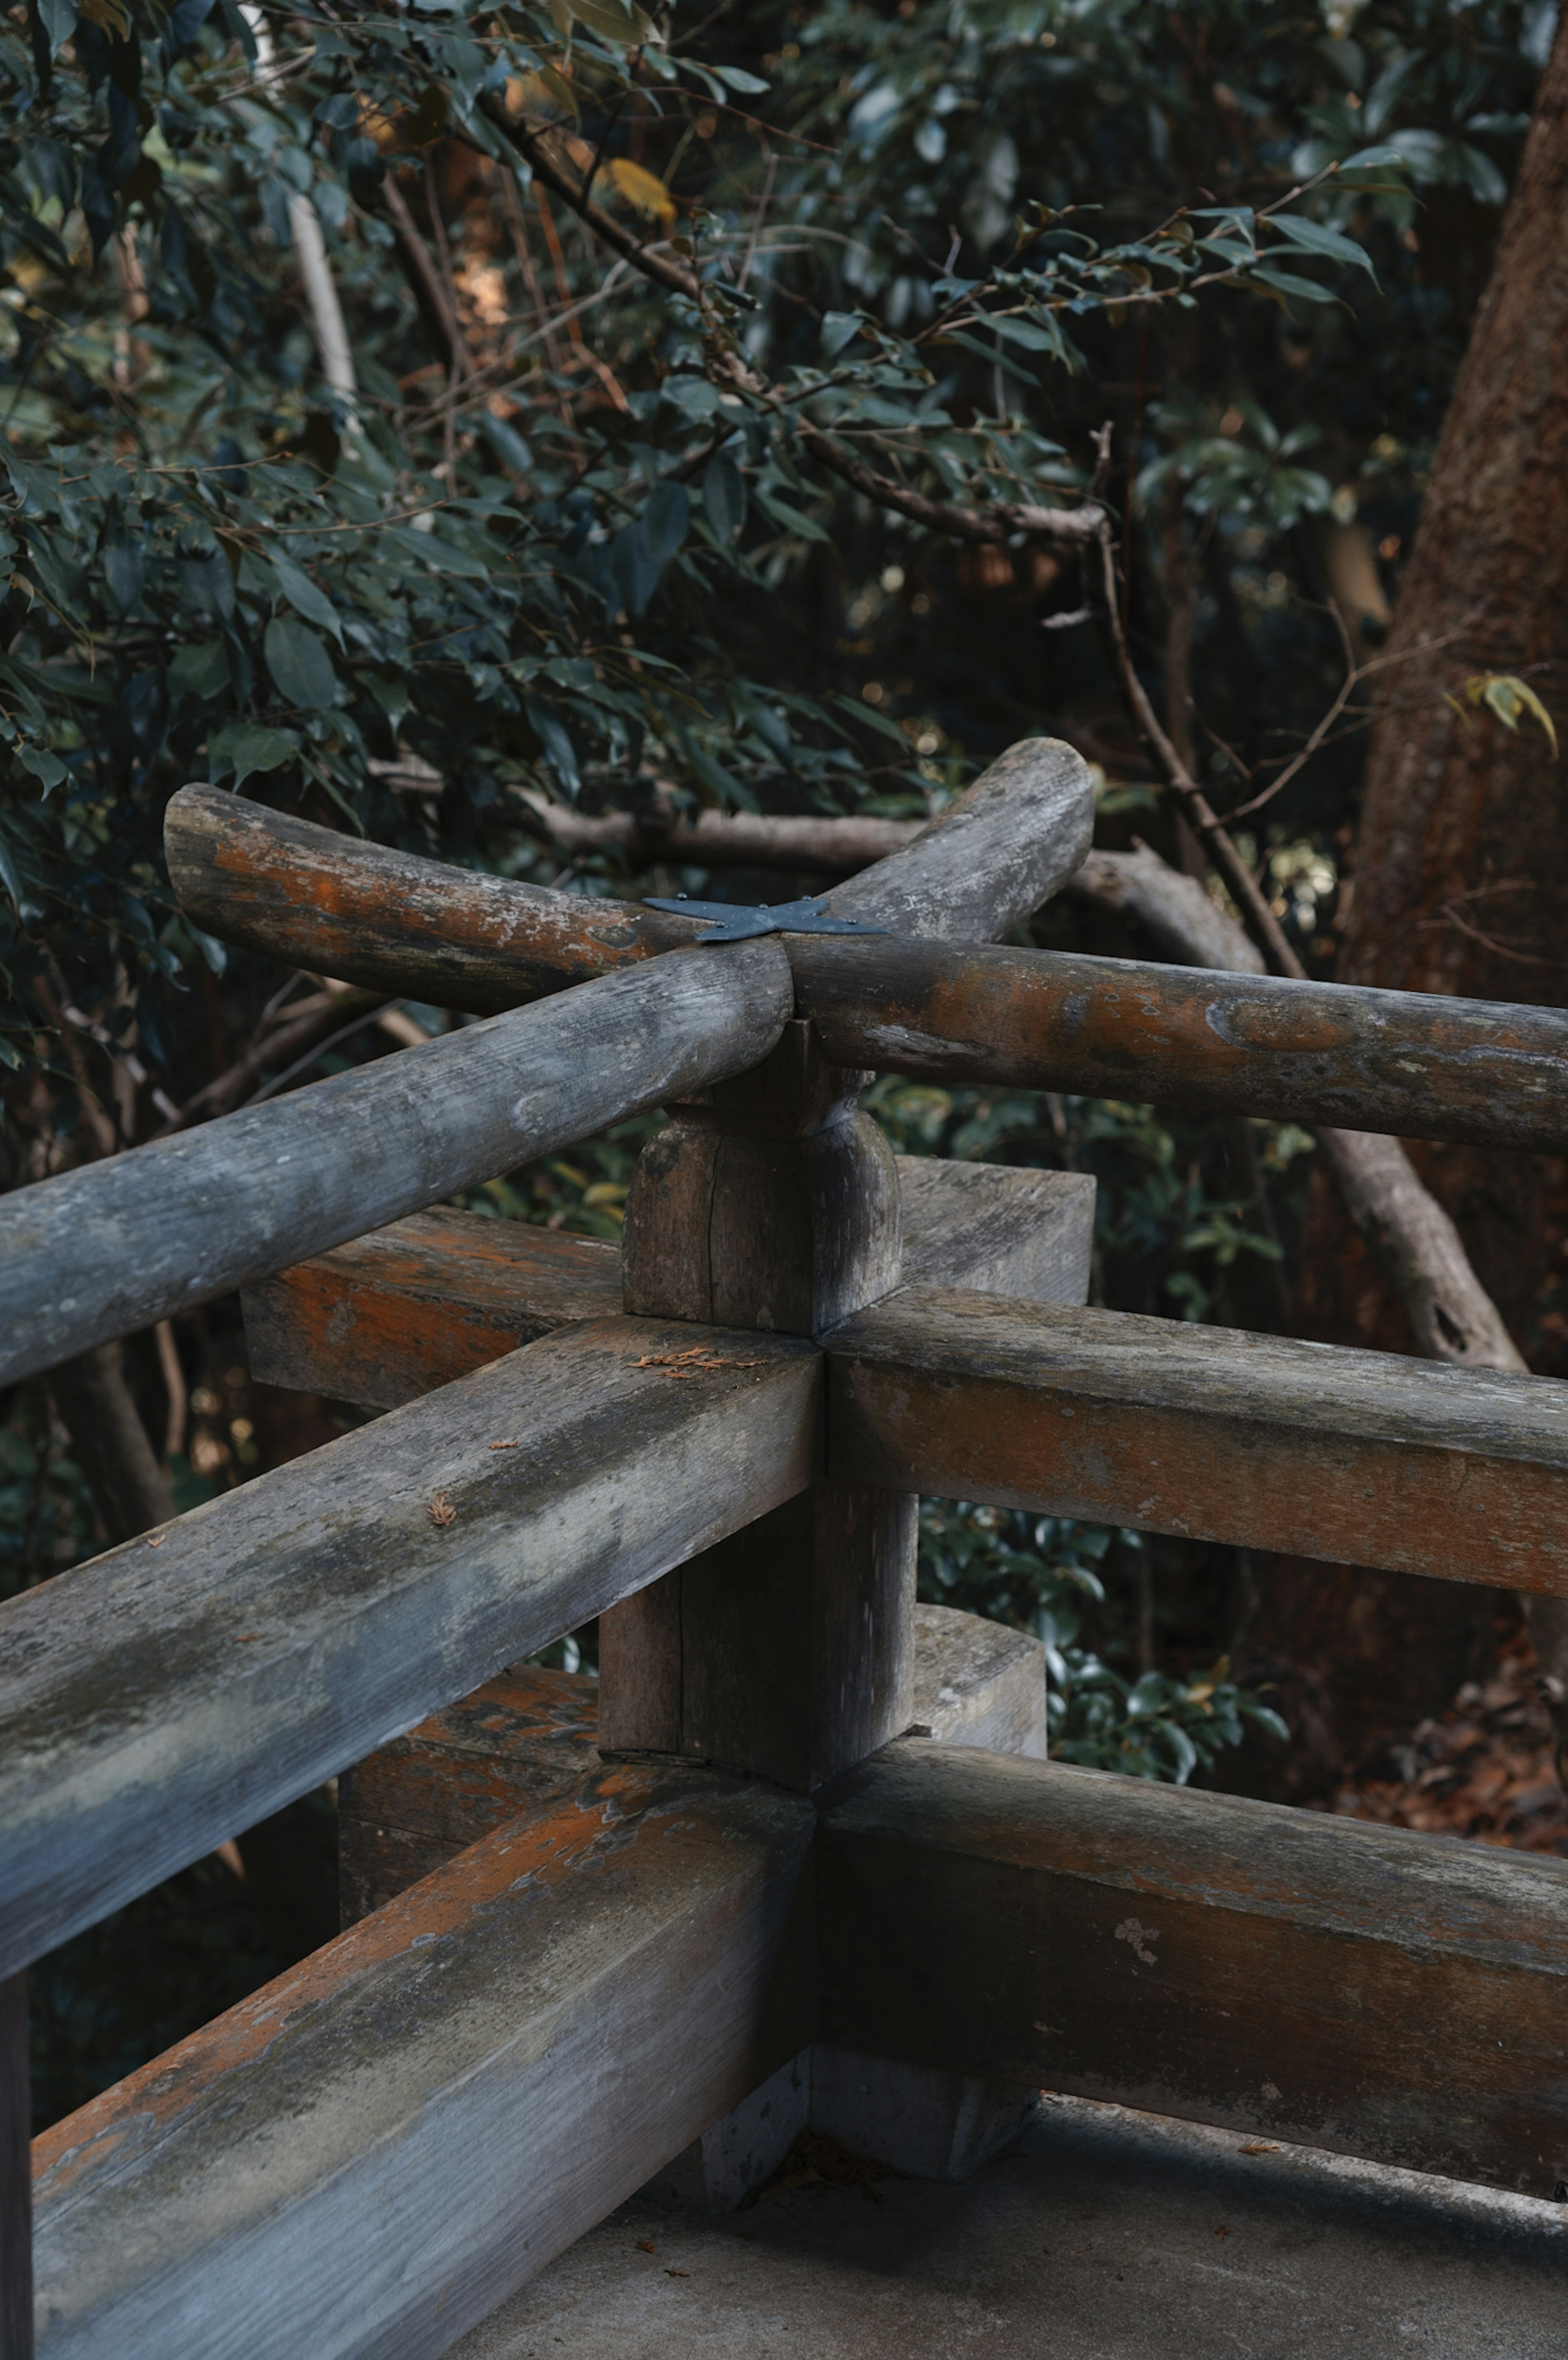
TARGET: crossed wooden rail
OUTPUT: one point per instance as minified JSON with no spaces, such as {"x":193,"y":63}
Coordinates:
{"x":711,"y":1441}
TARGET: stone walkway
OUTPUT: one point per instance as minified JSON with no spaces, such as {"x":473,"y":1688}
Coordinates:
{"x":1098,"y":2235}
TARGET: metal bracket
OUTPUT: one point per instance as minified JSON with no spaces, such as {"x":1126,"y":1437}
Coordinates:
{"x":737,"y":921}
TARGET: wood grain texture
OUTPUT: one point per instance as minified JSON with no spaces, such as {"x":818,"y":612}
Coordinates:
{"x":785,"y":1651}
{"x":1008,"y":1231}
{"x":418,"y":929}
{"x":15,"y":2174}
{"x":114,"y":1247}
{"x":161,"y":1697}
{"x":389,"y":1317}
{"x":991,"y":859}
{"x":978,"y":1683}
{"x":529,"y":1735}
{"x":1359,"y":1457}
{"x":363,"y":2159}
{"x":522,"y":1739}
{"x":789,"y":1235}
{"x":1370,"y":1991}
{"x":1406,"y":1063}
{"x":786,"y":1655}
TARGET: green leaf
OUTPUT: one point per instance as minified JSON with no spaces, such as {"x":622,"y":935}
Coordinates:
{"x":245,"y":747}
{"x":611,"y":21}
{"x":433,"y":551}
{"x":38,"y":488}
{"x":838,"y":329}
{"x":877,"y":721}
{"x":1306,"y":290}
{"x":303,"y":596}
{"x":1033,"y":338}
{"x":200,"y":671}
{"x":724,"y":496}
{"x":665,"y":519}
{"x":1316,"y":239}
{"x":8,"y":876}
{"x":300,"y":667}
{"x":736,"y":78}
{"x":125,"y":575}
{"x":1371,"y":159}
{"x":58,"y":18}
{"x":47,"y":767}
{"x":560,"y":751}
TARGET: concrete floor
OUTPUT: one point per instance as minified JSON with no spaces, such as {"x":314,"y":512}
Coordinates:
{"x":1098,"y":2235}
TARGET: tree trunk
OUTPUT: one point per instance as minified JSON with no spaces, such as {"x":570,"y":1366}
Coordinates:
{"x":1461,"y":886}
{"x":129,"y":1488}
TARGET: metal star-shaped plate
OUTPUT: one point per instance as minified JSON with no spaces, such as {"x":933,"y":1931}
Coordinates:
{"x":738,"y":921}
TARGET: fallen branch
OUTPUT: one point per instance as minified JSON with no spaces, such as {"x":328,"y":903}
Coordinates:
{"x":1453,"y":1317}
{"x":722,"y":839}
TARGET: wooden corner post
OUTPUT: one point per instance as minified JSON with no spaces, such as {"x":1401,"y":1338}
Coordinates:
{"x":787,"y":1651}
{"x":772,"y":1202}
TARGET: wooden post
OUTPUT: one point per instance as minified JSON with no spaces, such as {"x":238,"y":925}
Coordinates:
{"x":16,"y":2175}
{"x":788,"y":1651}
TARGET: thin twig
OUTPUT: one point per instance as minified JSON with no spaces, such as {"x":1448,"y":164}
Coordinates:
{"x":1260,"y":919}
{"x":1355,"y":674}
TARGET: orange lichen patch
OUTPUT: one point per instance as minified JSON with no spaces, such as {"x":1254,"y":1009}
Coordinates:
{"x":332,"y":889}
{"x":1255,"y":1484}
{"x":694,"y":1362}
{"x":546,"y":1847}
{"x":1404,"y":1062}
{"x":430,"y":1299}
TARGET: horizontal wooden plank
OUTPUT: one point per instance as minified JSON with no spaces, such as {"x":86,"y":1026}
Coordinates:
{"x":425,"y":930}
{"x":116,"y":1245}
{"x":176,"y":1689}
{"x":387,"y":1316}
{"x":361,"y":2160}
{"x":1361,"y":1457}
{"x":418,"y":929}
{"x":978,"y":1683}
{"x":527,"y":1735}
{"x":520,"y":1740}
{"x":994,"y":1226}
{"x":1415,"y":1064}
{"x":1367,"y":1990}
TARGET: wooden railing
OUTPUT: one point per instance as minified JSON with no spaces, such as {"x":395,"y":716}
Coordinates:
{"x":713,"y":1441}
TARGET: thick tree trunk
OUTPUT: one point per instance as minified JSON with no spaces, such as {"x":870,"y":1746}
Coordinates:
{"x":1461,"y":879}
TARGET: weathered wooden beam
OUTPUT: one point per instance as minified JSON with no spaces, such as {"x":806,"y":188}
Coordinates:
{"x":389,"y":1316}
{"x":529,"y":1735}
{"x":1360,"y":1457}
{"x":1413,"y":1063}
{"x":978,"y":1683}
{"x":424,"y":930}
{"x":418,"y":929}
{"x":182,"y":1687}
{"x":359,"y":2162}
{"x":520,"y":1740}
{"x":989,"y":860}
{"x":117,"y":1245}
{"x":996,"y":1226}
{"x":15,"y":2174}
{"x":1363,"y":1989}
{"x":785,"y":1653}
{"x":776,"y":1205}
